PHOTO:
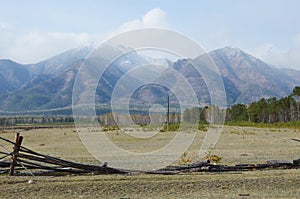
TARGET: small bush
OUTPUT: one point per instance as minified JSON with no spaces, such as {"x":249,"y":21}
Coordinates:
{"x":202,"y":127}
{"x":184,"y":159}
{"x":171,"y":127}
{"x":110,"y":128}
{"x":214,"y":158}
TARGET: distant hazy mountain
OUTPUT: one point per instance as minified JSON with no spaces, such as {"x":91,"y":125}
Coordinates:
{"x":49,"y":83}
{"x":60,"y":62}
{"x":246,"y":78}
{"x":54,"y":92}
{"x":12,"y":76}
{"x":252,"y":77}
{"x":50,"y":89}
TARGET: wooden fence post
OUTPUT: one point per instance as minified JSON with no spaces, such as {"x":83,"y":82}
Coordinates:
{"x":16,"y":149}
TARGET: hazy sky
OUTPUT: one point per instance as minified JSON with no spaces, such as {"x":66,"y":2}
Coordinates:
{"x":31,"y":31}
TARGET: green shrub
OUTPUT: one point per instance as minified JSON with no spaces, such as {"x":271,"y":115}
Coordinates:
{"x":202,"y":127}
{"x":170,"y":127}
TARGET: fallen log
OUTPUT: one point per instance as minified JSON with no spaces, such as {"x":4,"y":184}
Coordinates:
{"x":64,"y":163}
{"x":279,"y":161}
{"x":295,"y":139}
{"x":296,"y":161}
{"x":31,"y":165}
{"x":186,"y":166}
{"x":4,"y":164}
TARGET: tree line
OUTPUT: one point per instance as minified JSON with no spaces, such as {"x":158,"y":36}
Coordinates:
{"x":10,"y":121}
{"x":269,"y":110}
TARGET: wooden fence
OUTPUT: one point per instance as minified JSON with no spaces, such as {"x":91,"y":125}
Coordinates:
{"x":22,"y":159}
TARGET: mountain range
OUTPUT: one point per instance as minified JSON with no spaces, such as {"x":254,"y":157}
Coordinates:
{"x":49,"y":84}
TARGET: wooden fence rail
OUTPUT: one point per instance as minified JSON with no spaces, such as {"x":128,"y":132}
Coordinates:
{"x":23,"y":158}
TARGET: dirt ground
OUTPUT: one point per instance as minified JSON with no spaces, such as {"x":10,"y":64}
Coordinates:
{"x":254,"y":184}
{"x":236,"y":145}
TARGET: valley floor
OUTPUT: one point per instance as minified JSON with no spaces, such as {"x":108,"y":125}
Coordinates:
{"x":236,"y":145}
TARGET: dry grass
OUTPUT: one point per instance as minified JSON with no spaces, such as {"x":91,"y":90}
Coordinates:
{"x":236,"y":145}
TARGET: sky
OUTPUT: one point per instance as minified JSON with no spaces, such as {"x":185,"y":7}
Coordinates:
{"x":32,"y":30}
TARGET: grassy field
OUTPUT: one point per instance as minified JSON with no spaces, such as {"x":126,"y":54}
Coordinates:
{"x":236,"y":145}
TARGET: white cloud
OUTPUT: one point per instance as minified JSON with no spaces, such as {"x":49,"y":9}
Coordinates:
{"x":36,"y":45}
{"x":153,"y":18}
{"x":285,"y":58}
{"x":130,"y":25}
{"x":3,"y":25}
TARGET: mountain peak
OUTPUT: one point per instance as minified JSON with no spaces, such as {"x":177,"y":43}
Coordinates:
{"x":7,"y":61}
{"x":230,"y":51}
{"x":234,"y":53}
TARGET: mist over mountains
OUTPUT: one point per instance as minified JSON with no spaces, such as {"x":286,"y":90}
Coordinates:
{"x":49,"y":83}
